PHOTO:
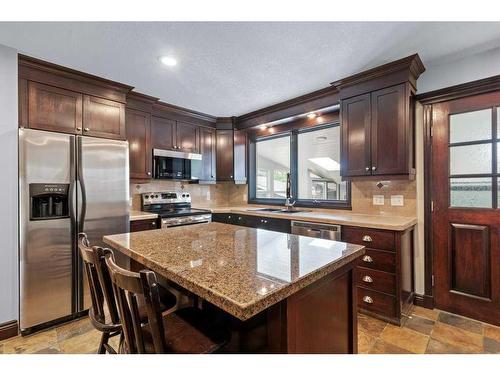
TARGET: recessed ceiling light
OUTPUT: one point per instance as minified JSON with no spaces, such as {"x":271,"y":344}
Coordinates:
{"x":311,"y":115}
{"x":168,"y":60}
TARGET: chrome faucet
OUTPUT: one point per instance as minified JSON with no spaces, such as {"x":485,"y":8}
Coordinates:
{"x":288,"y":201}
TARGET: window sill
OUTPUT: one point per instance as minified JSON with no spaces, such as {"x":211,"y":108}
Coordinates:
{"x":321,"y":204}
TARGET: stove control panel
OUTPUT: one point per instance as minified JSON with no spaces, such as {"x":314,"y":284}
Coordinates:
{"x":165,"y":197}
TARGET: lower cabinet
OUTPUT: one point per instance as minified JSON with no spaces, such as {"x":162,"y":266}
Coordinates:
{"x":274,"y":224}
{"x":384,"y":275}
{"x":140,"y":225}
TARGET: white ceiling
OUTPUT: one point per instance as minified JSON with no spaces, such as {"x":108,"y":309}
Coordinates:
{"x":232,"y":68}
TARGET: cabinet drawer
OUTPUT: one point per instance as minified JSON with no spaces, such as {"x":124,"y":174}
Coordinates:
{"x":373,"y":238}
{"x":379,"y":260}
{"x":140,"y":225}
{"x":376,"y":280}
{"x":376,"y":302}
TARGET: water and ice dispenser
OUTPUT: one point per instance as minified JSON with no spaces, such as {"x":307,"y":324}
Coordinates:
{"x":49,"y":201}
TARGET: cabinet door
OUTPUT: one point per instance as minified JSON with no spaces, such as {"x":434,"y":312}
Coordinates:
{"x":240,"y":156}
{"x":356,"y":136}
{"x":389,"y":131}
{"x":225,"y":154}
{"x":138,"y":126}
{"x":141,"y":225}
{"x":207,"y":150}
{"x":163,"y":133}
{"x":187,"y":137}
{"x":103,"y":118}
{"x":54,"y":109}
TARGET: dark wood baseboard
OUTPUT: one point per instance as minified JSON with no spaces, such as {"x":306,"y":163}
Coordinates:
{"x":424,"y":300}
{"x":8,"y":330}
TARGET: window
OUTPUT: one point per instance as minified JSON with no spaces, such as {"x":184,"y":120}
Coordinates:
{"x":318,"y":165}
{"x":311,"y":156}
{"x":473,"y":155}
{"x":273,"y":163}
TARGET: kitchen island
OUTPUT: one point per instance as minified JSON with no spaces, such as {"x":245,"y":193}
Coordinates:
{"x":304,"y":286}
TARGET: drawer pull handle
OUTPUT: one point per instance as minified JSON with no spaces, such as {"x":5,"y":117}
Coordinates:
{"x":367,"y":238}
{"x":368,"y":299}
{"x":367,"y":279}
{"x":367,"y":259}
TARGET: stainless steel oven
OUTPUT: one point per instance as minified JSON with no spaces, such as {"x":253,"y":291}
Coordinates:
{"x":185,"y":220}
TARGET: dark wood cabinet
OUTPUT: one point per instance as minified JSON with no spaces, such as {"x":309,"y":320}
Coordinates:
{"x":51,"y":108}
{"x":377,"y":109}
{"x":141,"y":225}
{"x":187,"y":137}
{"x":240,"y":142}
{"x":377,"y":133}
{"x":225,"y":155}
{"x":103,"y":118}
{"x":252,"y":221}
{"x":208,"y":153}
{"x":384,"y":276}
{"x":138,"y":127}
{"x":232,"y":155}
{"x":356,"y":125}
{"x":163,"y":134}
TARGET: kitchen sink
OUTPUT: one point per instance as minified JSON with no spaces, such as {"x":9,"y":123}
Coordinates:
{"x":278,"y":210}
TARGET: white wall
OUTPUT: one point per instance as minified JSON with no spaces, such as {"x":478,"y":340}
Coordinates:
{"x":453,"y":72}
{"x":9,"y":296}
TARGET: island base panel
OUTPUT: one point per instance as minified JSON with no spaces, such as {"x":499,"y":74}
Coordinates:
{"x":322,"y":318}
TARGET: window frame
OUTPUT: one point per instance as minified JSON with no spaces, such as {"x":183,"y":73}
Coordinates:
{"x":311,"y":203}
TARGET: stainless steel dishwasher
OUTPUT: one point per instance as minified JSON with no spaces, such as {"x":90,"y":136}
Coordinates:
{"x":326,"y":231}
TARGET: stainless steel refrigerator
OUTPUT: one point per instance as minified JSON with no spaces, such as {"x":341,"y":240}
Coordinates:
{"x":67,"y":184}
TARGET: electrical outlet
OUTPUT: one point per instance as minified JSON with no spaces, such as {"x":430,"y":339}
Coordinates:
{"x":378,"y":200}
{"x":397,"y":200}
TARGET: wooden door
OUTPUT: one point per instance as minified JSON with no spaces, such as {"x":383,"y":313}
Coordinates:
{"x":466,"y":218}
{"x":163,"y":133}
{"x":240,"y":156}
{"x":389,"y":131}
{"x":207,"y":150}
{"x":138,"y":126}
{"x":54,"y":109}
{"x":187,"y":137}
{"x":356,"y":136}
{"x":103,"y":118}
{"x":225,"y":155}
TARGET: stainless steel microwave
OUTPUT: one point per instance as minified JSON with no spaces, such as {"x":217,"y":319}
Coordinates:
{"x":175,"y":165}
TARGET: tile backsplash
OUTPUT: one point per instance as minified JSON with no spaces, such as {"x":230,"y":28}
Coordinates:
{"x":227,"y":194}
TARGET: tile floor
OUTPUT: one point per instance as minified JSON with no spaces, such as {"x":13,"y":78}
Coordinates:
{"x":427,"y":331}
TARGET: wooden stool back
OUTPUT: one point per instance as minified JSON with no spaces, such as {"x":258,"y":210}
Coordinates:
{"x":128,"y":286}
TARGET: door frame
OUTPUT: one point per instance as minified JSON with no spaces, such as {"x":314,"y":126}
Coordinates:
{"x":427,"y":100}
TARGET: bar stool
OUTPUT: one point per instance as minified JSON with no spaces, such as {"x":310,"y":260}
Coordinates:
{"x":103,"y":313}
{"x":186,"y":330}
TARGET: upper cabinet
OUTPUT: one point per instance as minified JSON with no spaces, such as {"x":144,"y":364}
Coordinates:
{"x":163,"y":133}
{"x":103,"y":118}
{"x":208,"y":154}
{"x":377,"y":111}
{"x":59,"y":99}
{"x":139,"y":138}
{"x":187,"y":137}
{"x":231,"y":152}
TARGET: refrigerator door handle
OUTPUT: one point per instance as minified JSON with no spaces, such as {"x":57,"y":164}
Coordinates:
{"x":72,"y":185}
{"x":81,"y":181}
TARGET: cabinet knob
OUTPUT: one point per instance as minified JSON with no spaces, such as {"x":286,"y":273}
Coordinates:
{"x":374,"y":168}
{"x":367,"y":169}
{"x":230,"y":176}
{"x":367,"y":238}
{"x":367,"y":259}
{"x":79,"y":129}
{"x":149,"y":173}
{"x":239,"y":217}
{"x":153,"y":223}
{"x":86,"y":129}
{"x":368,"y":299}
{"x":367,"y":279}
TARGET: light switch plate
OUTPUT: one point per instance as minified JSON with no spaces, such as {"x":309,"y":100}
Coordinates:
{"x":378,"y":200}
{"x":397,"y":200}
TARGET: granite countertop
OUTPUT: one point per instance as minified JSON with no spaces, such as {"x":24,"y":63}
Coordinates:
{"x":141,"y":215}
{"x":389,"y":222}
{"x":241,"y":270}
